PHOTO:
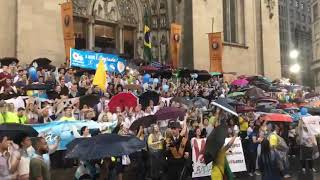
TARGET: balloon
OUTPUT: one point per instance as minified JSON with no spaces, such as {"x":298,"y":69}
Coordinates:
{"x":165,"y":88}
{"x":146,"y":78}
{"x":33,"y":74}
{"x":150,"y":80}
{"x":145,"y":86}
{"x":155,"y":80}
{"x":303,"y":111}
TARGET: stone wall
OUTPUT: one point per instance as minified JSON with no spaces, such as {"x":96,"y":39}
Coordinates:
{"x":40,"y":31}
{"x":8,"y":28}
{"x":256,"y":57}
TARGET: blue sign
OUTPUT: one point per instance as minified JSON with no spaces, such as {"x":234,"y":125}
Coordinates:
{"x":64,"y":129}
{"x":90,"y":60}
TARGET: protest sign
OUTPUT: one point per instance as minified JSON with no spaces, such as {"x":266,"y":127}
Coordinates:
{"x":312,"y":124}
{"x":200,"y":169}
{"x":90,"y":60}
{"x":235,"y":156}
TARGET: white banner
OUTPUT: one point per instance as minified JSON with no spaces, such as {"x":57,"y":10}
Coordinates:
{"x":235,"y":156}
{"x":312,"y":123}
{"x":200,"y":169}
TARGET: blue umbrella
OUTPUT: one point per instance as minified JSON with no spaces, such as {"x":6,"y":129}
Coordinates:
{"x":102,"y":146}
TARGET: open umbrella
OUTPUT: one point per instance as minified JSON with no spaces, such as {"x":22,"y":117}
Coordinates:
{"x":89,"y":100}
{"x":8,"y":60}
{"x":172,"y":113}
{"x":41,"y":62}
{"x":146,"y":122}
{"x":240,"y":82}
{"x":245,"y":108}
{"x":148,"y":96}
{"x":235,"y":94}
{"x":255,"y":93}
{"x":183,"y":101}
{"x":123,"y":100}
{"x":16,"y":132}
{"x":166,"y":74}
{"x":199,"y":102}
{"x":203,"y":76}
{"x":276,"y":117}
{"x":102,"y":146}
{"x":214,"y":142}
{"x":224,"y":105}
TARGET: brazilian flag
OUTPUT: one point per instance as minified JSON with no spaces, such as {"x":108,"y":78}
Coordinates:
{"x":147,"y":43}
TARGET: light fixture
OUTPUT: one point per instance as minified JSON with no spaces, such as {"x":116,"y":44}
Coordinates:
{"x":294,"y":54}
{"x":295,"y":68}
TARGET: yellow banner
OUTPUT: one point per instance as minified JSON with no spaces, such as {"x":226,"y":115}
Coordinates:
{"x":67,"y":24}
{"x":216,"y":50}
{"x":175,"y":41}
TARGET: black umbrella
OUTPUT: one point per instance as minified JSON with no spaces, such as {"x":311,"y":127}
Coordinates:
{"x":166,"y":74}
{"x":41,"y":62}
{"x":204,"y":76}
{"x":214,"y":143}
{"x":145,"y":98}
{"x":102,"y":146}
{"x":16,"y":132}
{"x":255,"y":93}
{"x":199,"y":102}
{"x":183,"y":101}
{"x":146,"y":122}
{"x":8,"y":60}
{"x":89,"y":100}
{"x":223,"y":103}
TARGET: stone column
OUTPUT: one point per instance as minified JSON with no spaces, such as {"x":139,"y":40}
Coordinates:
{"x":91,"y":33}
{"x":121,"y":44}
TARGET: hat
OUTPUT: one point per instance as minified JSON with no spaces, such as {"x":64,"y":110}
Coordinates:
{"x":174,"y":124}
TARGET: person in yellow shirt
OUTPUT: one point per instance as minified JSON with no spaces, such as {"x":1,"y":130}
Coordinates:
{"x":244,"y":125}
{"x":21,"y":117}
{"x":67,"y":115}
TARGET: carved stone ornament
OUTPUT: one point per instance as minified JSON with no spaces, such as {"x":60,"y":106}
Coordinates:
{"x":270,"y":4}
{"x":80,"y":7}
{"x":127,"y":9}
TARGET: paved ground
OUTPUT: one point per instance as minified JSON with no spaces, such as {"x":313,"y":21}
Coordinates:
{"x":295,"y":170}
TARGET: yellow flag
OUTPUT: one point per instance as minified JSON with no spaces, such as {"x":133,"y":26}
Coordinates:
{"x":100,"y":78}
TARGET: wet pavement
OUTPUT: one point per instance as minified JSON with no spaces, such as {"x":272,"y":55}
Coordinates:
{"x":295,"y":172}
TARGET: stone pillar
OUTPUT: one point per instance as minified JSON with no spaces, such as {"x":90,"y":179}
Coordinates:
{"x":121,"y":44}
{"x":91,"y":33}
{"x":8,"y":20}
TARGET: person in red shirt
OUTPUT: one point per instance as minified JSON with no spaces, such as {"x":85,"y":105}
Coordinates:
{"x":4,"y":75}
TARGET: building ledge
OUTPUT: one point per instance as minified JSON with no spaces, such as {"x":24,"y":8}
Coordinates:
{"x":315,"y":65}
{"x":242,"y":46}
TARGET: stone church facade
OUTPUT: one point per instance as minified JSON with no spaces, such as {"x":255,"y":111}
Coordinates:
{"x":250,"y":30}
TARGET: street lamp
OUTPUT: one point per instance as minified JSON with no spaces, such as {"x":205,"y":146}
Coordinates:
{"x":294,"y":54}
{"x":295,"y":68}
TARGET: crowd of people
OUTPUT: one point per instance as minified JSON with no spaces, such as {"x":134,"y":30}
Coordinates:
{"x":168,"y":153}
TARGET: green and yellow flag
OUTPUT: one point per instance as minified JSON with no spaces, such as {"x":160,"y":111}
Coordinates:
{"x":100,"y":78}
{"x":147,"y":42}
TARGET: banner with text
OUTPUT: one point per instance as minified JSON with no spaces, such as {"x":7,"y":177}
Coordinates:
{"x":67,"y":25}
{"x":90,"y":60}
{"x":175,"y":41}
{"x":235,"y":156}
{"x":200,"y":169}
{"x":312,"y":124}
{"x":216,"y":50}
{"x":66,"y":130}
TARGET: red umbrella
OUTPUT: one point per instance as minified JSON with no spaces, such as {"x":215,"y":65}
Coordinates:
{"x":123,"y":100}
{"x":276,"y":117}
{"x":172,"y":113}
{"x":243,"y":109}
